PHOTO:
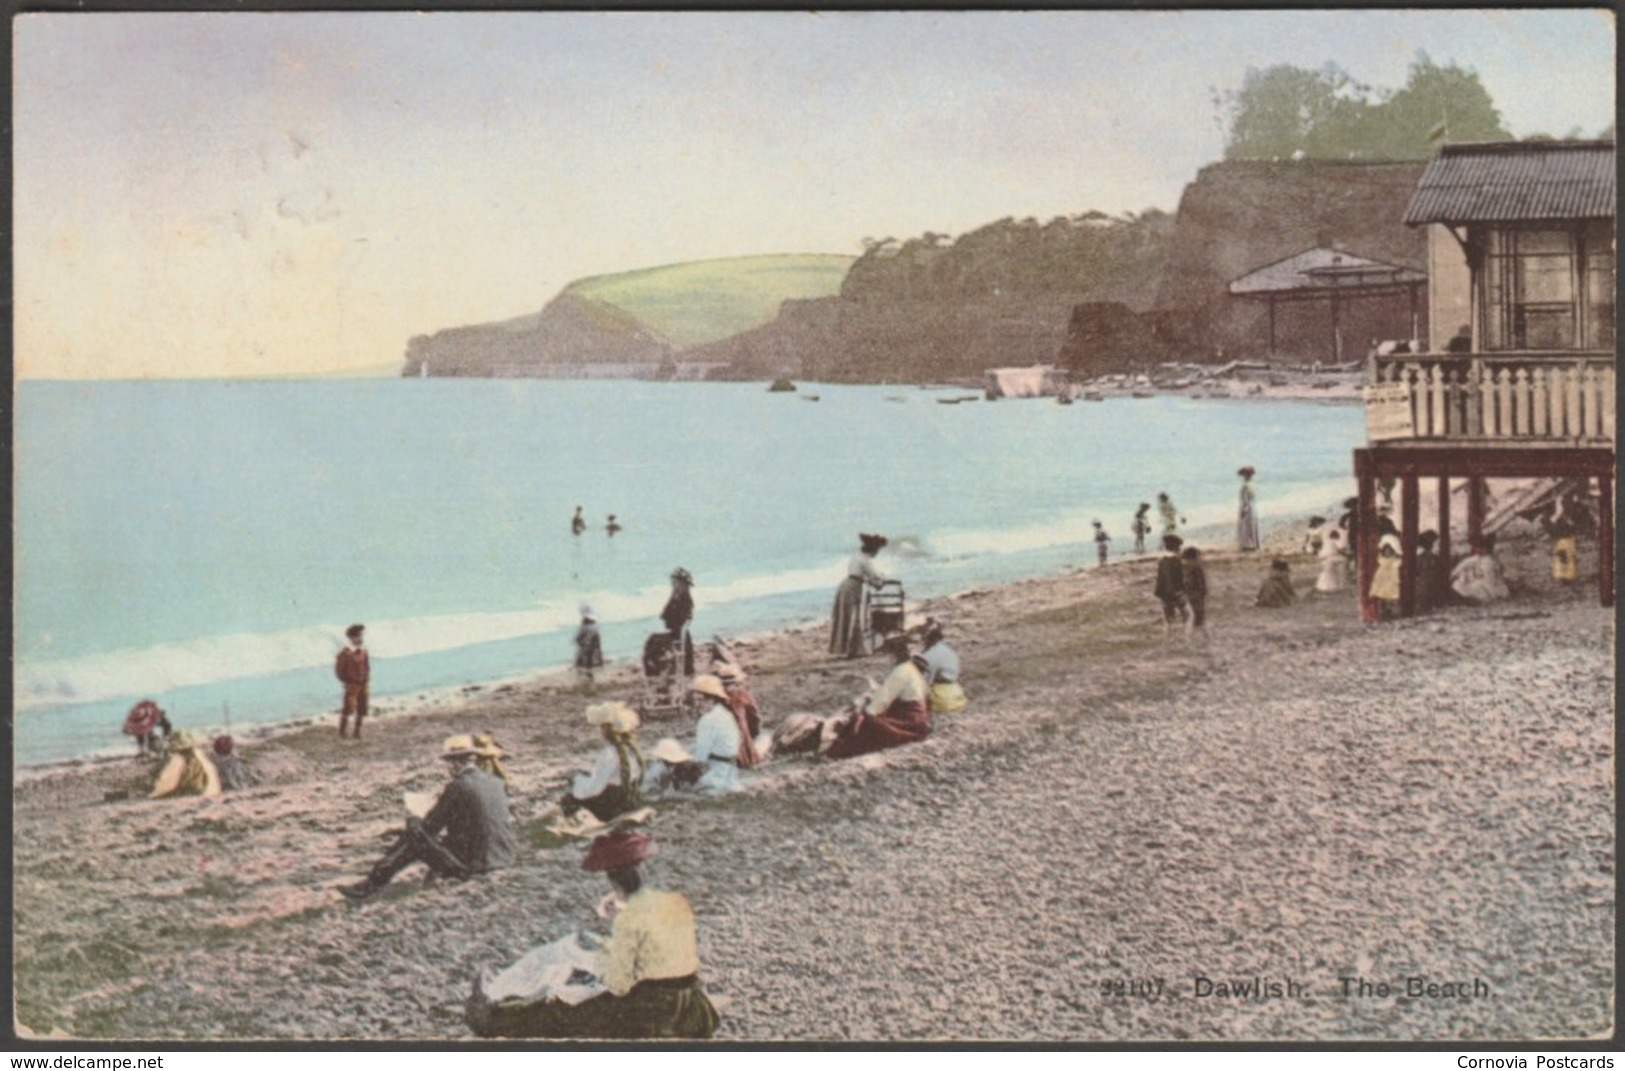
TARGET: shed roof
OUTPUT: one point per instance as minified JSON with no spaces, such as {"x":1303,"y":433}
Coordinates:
{"x":1516,"y":181}
{"x":1315,"y":272}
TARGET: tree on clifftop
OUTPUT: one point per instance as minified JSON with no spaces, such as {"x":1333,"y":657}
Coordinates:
{"x":1286,"y":112}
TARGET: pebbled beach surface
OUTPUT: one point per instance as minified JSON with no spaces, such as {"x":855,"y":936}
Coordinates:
{"x":1299,"y":801}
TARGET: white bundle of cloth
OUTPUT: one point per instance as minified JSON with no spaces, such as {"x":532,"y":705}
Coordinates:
{"x":563,"y":970}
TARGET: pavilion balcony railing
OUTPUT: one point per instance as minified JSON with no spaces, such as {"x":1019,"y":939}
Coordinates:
{"x":1507,"y":398}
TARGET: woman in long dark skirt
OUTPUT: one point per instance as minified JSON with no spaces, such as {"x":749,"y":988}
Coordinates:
{"x":851,"y":598}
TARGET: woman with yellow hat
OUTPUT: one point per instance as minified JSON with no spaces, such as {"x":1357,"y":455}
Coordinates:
{"x":189,"y":772}
{"x":711,"y":768}
{"x":611,"y":788}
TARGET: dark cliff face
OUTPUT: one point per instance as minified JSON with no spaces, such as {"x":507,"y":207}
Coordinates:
{"x":929,"y":309}
{"x":571,"y":329}
{"x":1241,"y":215}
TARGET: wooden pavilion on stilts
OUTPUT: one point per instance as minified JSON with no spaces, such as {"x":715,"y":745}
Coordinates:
{"x":1528,"y":391}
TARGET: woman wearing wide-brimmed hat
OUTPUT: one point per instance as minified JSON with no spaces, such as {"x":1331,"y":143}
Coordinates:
{"x":611,"y":787}
{"x":189,"y":772}
{"x":650,"y":968}
{"x":1247,"y":511}
{"x":846,"y":631}
{"x":711,"y":766}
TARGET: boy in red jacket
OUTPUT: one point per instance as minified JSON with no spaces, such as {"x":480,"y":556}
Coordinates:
{"x":355,"y":671}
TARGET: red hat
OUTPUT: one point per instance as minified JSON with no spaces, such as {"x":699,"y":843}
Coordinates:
{"x":618,"y":850}
{"x":222,"y":745}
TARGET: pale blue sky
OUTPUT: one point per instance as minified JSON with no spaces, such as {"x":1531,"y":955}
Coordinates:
{"x":250,"y":194}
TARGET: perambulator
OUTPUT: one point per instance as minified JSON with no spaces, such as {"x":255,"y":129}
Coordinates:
{"x":885,"y":609}
{"x":665,"y":687}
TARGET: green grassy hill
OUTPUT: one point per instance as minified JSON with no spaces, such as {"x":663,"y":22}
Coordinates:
{"x":703,"y":301}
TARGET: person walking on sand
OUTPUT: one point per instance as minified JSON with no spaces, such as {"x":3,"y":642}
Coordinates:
{"x":354,"y":669}
{"x":578,"y":523}
{"x":846,"y":631}
{"x":468,"y":831}
{"x":1142,"y":527}
{"x":1247,"y":511}
{"x":1170,"y":514}
{"x":611,"y":526}
{"x":1101,"y":540}
{"x":677,"y":614}
{"x":1195,"y":579}
{"x":589,"y":646}
{"x":1170,"y":589}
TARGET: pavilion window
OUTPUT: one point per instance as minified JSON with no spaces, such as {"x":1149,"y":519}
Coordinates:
{"x":1531,"y":291}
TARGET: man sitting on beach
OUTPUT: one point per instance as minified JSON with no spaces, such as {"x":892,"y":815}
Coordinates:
{"x":468,"y":831}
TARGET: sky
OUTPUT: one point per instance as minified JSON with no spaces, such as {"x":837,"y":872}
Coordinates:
{"x":288,"y":194}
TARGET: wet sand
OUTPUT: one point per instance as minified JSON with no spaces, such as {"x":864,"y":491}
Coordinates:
{"x":1300,"y":800}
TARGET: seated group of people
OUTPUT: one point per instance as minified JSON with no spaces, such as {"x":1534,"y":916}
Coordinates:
{"x":649,"y":968}
{"x":1475,"y":578}
{"x":191,"y":769}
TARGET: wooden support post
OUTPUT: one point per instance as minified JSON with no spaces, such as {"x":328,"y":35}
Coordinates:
{"x":1605,"y":539}
{"x":1365,"y":543}
{"x":1444,"y":535}
{"x":1475,"y":511}
{"x":1337,"y":333}
{"x":1272,"y":326}
{"x":1410,"y":501}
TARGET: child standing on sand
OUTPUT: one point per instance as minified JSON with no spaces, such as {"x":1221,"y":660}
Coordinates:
{"x":1101,"y":539}
{"x":1195,"y":578}
{"x":589,"y":646}
{"x":1142,"y":527}
{"x":1385,"y":583}
{"x":1170,"y":589}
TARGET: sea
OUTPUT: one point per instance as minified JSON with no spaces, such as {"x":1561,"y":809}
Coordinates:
{"x":206,"y":543}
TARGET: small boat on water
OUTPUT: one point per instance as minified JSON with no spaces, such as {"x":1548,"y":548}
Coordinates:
{"x":809,"y":397}
{"x":1093,"y":396}
{"x":782,"y":386}
{"x":1144,"y":394}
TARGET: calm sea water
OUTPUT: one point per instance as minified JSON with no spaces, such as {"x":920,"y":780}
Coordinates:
{"x":205,"y":543}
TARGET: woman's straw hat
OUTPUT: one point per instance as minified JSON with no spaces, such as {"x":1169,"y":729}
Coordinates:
{"x":671,"y":752}
{"x":619,"y":717}
{"x":458,"y":746}
{"x":706,"y":684}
